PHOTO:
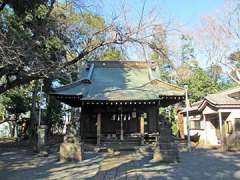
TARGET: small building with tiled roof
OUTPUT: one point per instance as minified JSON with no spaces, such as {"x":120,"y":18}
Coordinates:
{"x":119,"y":99}
{"x":216,"y":118}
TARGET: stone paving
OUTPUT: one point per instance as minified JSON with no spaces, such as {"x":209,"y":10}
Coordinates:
{"x":196,"y":165}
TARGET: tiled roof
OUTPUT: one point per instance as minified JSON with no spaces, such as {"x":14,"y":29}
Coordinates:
{"x":124,"y":80}
{"x":224,"y":97}
{"x":194,"y":106}
{"x":228,"y":98}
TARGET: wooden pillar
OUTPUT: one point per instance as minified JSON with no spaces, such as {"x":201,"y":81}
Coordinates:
{"x":142,"y":128}
{"x":221,"y":129}
{"x":121,"y":136}
{"x":205,"y":129}
{"x":82,"y":118}
{"x":98,"y":129}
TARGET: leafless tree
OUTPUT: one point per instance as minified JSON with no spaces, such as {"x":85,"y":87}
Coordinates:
{"x":219,"y":35}
{"x":16,"y":68}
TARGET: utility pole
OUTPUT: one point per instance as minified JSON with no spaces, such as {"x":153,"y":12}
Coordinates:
{"x":187,"y":114}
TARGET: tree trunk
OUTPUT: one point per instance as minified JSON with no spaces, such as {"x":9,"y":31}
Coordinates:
{"x":17,"y":127}
{"x":13,"y":129}
{"x":47,"y":88}
{"x":33,"y":119}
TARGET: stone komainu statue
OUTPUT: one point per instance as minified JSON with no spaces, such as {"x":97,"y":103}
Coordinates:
{"x":71,"y":135}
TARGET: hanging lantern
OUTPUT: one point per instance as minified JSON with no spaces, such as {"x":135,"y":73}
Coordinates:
{"x":145,"y":115}
{"x":114,"y":117}
{"x":129,"y":117}
{"x":134,"y":114}
{"x":125,"y":117}
{"x":118,"y":118}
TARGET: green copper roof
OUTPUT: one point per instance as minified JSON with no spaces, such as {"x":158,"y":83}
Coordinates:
{"x":126,"y":80}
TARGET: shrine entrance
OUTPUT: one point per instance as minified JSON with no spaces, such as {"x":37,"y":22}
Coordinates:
{"x":124,"y":128}
{"x":114,"y":122}
{"x":119,"y":125}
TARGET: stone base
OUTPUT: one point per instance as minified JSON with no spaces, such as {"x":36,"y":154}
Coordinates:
{"x":71,"y":152}
{"x":157,"y":156}
{"x":43,"y":154}
{"x":167,"y":155}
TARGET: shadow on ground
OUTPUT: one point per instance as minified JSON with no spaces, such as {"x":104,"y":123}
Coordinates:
{"x":198,"y":164}
{"x":21,"y":163}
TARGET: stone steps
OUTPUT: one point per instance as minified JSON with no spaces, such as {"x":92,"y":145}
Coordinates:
{"x":117,"y":144}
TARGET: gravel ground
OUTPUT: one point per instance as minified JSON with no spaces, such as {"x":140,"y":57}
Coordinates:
{"x":199,"y":164}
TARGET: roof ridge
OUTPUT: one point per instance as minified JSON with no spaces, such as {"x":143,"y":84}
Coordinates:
{"x":120,"y":64}
{"x":176,"y":86}
{"x":197,"y":103}
{"x":119,"y":61}
{"x":66,"y":86}
{"x":208,"y":98}
{"x":225,"y":90}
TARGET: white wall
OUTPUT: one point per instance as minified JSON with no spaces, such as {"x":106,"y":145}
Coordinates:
{"x":194,"y":131}
{"x":208,"y":134}
{"x":5,"y":130}
{"x":211,"y":135}
{"x":235,"y":113}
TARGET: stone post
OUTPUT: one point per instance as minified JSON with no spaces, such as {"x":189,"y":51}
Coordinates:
{"x":42,"y":136}
{"x":166,"y":149}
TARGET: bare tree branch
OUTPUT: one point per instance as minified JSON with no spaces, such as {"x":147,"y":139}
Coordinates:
{"x":3,"y":4}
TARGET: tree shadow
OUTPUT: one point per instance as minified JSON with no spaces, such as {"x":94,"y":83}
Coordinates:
{"x":21,"y":164}
{"x":198,"y":164}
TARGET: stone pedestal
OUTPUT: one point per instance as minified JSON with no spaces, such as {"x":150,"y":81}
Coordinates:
{"x":157,"y":156}
{"x":71,"y":152}
{"x":71,"y":149}
{"x":166,"y":153}
{"x":166,"y":149}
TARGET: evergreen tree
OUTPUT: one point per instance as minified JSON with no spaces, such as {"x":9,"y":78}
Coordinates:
{"x":200,"y":85}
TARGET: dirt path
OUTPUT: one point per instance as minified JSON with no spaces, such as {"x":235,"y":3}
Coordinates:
{"x":198,"y":164}
{"x":24,"y":165}
{"x":21,"y":164}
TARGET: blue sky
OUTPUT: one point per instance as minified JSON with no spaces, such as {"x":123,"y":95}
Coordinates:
{"x":189,"y":11}
{"x":186,"y":12}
